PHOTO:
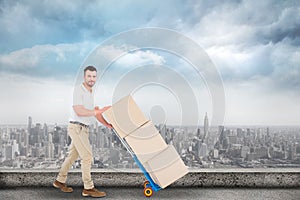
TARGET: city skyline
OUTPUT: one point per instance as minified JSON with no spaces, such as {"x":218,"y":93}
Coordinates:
{"x":174,"y":125}
{"x":254,"y":47}
{"x":45,"y":146}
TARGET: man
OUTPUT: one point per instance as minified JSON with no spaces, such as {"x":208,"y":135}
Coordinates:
{"x":82,"y":115}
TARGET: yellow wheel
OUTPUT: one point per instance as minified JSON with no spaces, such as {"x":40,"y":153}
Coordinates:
{"x":145,"y":184}
{"x":148,"y":191}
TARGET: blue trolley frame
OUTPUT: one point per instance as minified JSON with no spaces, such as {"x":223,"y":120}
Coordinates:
{"x":151,"y":183}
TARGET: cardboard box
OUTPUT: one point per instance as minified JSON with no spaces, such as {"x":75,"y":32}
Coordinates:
{"x":166,"y":167}
{"x":161,"y":161}
{"x":146,"y":142}
{"x":125,"y":116}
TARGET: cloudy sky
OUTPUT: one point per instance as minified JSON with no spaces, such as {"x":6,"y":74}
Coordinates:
{"x":254,"y":45}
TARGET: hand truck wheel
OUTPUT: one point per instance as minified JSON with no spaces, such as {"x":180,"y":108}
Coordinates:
{"x":148,"y":191}
{"x":146,"y":183}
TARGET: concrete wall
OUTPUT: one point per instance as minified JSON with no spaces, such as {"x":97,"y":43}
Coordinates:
{"x":271,"y":178}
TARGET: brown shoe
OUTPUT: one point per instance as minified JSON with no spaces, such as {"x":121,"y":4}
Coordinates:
{"x":93,"y":193}
{"x":62,"y":186}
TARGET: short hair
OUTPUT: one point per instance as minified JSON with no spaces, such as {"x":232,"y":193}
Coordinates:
{"x":90,"y":68}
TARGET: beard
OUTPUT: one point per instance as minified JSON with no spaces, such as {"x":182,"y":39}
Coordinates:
{"x":90,"y":83}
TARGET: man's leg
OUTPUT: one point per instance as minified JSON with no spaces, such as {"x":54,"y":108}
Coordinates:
{"x":63,"y":172}
{"x":86,"y":159}
{"x":82,"y":144}
{"x":72,"y":156}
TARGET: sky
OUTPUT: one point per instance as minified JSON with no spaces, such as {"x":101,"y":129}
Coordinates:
{"x":253,"y":45}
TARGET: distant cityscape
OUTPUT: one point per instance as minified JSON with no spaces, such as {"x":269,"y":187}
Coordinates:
{"x":45,"y":146}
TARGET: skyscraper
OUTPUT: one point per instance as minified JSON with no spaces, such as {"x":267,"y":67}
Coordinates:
{"x":163,"y":130}
{"x":223,"y":140}
{"x":199,"y":133}
{"x":45,"y":133}
{"x":27,"y":140}
{"x":203,"y":150}
{"x":50,"y":147}
{"x":205,"y":127}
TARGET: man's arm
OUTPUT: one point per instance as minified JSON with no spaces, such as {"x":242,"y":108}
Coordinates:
{"x":100,"y":117}
{"x":83,"y":112}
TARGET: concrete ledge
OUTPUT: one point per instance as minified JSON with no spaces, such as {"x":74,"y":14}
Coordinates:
{"x":262,"y":178}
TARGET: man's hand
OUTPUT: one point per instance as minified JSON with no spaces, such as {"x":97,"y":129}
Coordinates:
{"x":105,"y":108}
{"x":108,"y":126}
{"x":102,"y":110}
{"x":98,"y":115}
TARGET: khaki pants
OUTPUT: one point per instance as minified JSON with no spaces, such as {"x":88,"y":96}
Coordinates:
{"x":80,"y":146}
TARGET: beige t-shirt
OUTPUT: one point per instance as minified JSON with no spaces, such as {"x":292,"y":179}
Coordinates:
{"x":81,"y":96}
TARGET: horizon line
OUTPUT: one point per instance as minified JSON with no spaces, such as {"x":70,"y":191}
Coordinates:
{"x":228,"y":125}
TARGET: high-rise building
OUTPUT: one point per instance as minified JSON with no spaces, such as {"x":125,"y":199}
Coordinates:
{"x":101,"y":137}
{"x":9,"y":155}
{"x":25,"y":138}
{"x":248,"y":132}
{"x":215,"y":153}
{"x":232,"y":139}
{"x":29,"y":124}
{"x":223,"y":139}
{"x":205,"y":127}
{"x":15,"y":147}
{"x":202,"y":150}
{"x":220,"y":131}
{"x":1,"y":137}
{"x":292,"y":152}
{"x":29,"y":133}
{"x":38,"y":133}
{"x":244,"y":151}
{"x":45,"y":133}
{"x":199,"y":133}
{"x":50,"y":147}
{"x":239,"y":133}
{"x":98,"y":138}
{"x":262,"y":152}
{"x":251,"y":156}
{"x":163,"y":130}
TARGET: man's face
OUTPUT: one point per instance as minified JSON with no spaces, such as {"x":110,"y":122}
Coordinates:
{"x":90,"y":78}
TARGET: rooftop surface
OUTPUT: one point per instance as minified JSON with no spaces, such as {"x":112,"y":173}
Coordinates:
{"x":239,"y":184}
{"x":168,"y":193}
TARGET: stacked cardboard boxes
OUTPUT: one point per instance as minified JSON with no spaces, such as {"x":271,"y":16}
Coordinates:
{"x":160,"y":160}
